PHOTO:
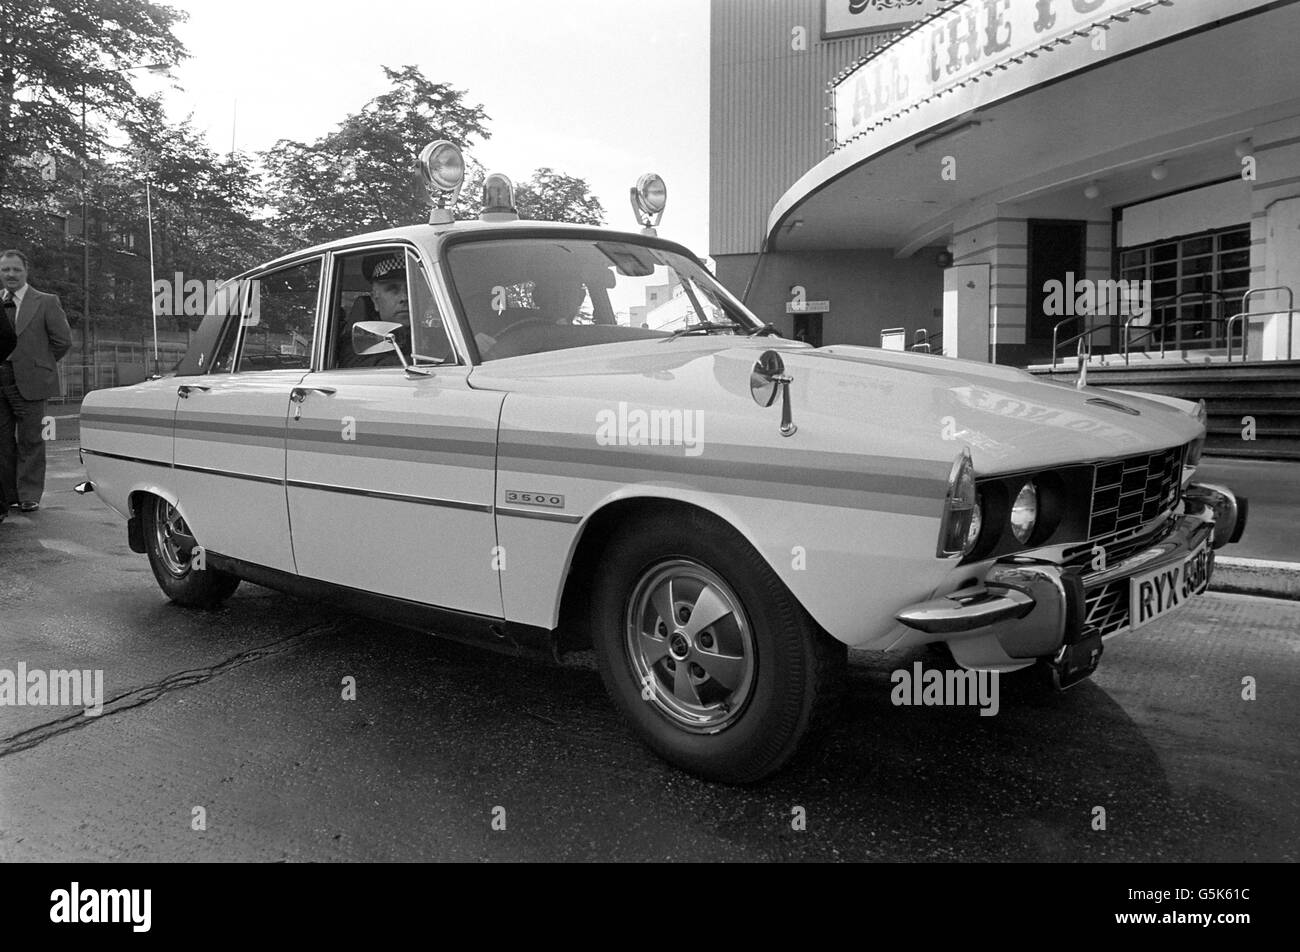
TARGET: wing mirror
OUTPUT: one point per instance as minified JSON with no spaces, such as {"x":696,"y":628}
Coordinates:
{"x":374,"y":337}
{"x":766,"y":379}
{"x":379,"y":337}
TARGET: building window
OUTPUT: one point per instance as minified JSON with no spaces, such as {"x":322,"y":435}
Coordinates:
{"x":1196,"y":283}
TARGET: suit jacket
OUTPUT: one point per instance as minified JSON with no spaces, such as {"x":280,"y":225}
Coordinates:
{"x":43,"y":338}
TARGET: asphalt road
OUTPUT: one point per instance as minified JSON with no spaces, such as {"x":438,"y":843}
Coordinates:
{"x":240,"y":712}
{"x":1273,"y":488}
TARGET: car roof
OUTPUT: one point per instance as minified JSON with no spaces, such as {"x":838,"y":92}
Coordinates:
{"x":436,"y":234}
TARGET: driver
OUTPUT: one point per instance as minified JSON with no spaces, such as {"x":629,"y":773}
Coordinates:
{"x":388,"y":301}
{"x":560,"y":300}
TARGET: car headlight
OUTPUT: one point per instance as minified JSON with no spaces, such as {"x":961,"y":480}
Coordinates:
{"x":1024,"y":512}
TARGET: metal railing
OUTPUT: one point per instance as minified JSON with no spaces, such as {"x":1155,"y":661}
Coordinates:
{"x":923,"y":341}
{"x":1245,"y":313}
{"x":1157,"y":329}
{"x":1082,"y":335}
{"x":1176,"y":324}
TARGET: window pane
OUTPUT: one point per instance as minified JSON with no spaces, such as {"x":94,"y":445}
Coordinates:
{"x":1198,"y":246}
{"x":228,"y":300}
{"x":1133,"y":259}
{"x":430,"y":335}
{"x":1235,"y":239}
{"x":280,"y":318}
{"x":1235,"y":259}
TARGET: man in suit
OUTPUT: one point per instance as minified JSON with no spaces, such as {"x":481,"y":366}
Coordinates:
{"x":27,"y":379}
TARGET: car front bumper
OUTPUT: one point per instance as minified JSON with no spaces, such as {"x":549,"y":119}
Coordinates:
{"x":1039,"y":610}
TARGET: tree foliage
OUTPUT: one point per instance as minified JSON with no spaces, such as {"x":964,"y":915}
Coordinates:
{"x":55,"y":58}
{"x":553,"y":196}
{"x":363,"y":176}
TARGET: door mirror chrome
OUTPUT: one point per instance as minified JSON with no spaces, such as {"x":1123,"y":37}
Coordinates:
{"x":765,"y":379}
{"x":374,"y":337}
{"x":379,"y":337}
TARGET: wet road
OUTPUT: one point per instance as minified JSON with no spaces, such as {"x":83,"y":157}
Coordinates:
{"x":241,"y":713}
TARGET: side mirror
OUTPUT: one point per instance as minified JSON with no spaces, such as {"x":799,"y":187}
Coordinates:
{"x":373,"y":337}
{"x":767,"y":378}
{"x":378,"y":337}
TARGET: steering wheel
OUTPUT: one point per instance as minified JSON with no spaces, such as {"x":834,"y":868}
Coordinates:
{"x":520,"y":323}
{"x":515,"y":330}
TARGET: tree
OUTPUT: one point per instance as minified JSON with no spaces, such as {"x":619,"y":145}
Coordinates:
{"x":56,"y":57}
{"x":363,"y":176}
{"x":205,"y":213}
{"x":553,"y":196}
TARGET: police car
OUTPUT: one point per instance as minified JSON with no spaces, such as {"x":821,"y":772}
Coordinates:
{"x":536,"y":436}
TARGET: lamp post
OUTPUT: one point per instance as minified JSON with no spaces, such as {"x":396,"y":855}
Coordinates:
{"x":87,"y":326}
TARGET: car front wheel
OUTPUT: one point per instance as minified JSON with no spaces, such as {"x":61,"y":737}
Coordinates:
{"x":705,"y":650}
{"x":176,"y":560}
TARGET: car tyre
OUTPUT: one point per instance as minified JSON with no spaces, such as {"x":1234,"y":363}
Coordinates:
{"x":170,"y":547}
{"x":731,"y":695}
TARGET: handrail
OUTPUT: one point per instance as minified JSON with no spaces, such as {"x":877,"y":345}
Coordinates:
{"x":923,"y":340}
{"x":1245,"y":329}
{"x":1128,"y":340}
{"x":1290,"y":309}
{"x":1178,"y":322}
{"x":1056,"y":327}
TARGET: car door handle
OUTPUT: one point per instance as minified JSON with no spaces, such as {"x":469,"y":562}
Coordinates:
{"x":299,"y":394}
{"x":185,"y":389}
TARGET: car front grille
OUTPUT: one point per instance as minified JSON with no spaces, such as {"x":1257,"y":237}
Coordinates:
{"x":1129,"y":493}
{"x":1106,"y":608}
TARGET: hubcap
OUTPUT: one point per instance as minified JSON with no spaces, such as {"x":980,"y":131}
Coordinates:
{"x":175,"y":543}
{"x":690,"y":645}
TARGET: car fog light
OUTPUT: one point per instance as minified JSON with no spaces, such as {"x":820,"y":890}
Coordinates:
{"x":1024,"y":512}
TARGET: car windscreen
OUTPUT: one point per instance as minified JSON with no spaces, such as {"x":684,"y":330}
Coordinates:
{"x":531,"y":295}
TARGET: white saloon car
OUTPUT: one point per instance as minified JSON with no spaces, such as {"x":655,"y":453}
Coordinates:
{"x":527,"y":435}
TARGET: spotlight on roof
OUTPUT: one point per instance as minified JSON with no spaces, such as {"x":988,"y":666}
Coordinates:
{"x":443,"y":168}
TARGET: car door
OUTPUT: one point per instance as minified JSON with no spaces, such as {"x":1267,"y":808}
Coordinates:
{"x":389,"y":475}
{"x":228,"y":447}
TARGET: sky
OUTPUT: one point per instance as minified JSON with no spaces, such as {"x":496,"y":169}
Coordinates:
{"x":601,"y":89}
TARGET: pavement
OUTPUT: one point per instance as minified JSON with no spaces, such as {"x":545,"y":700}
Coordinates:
{"x":1185,"y":738}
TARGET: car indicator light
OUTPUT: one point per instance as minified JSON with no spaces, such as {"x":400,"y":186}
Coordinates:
{"x":958,"y":507}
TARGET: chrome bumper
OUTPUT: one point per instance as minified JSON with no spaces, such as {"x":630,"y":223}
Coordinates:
{"x":1037,"y":609}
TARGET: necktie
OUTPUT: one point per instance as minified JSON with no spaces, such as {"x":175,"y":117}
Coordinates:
{"x":11,"y":310}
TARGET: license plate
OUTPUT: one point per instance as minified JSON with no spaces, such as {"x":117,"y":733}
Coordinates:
{"x":1164,"y":589}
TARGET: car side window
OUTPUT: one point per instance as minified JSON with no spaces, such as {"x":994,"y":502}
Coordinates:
{"x":223,"y":354}
{"x":279,"y":319}
{"x":385,"y":284}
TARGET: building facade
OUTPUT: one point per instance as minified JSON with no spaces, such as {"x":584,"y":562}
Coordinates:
{"x":1023,"y":177}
